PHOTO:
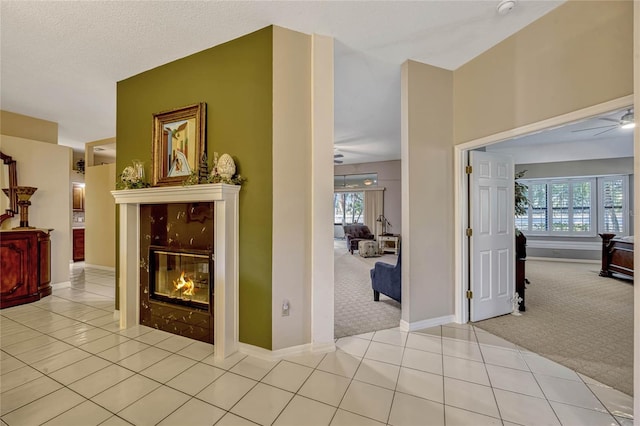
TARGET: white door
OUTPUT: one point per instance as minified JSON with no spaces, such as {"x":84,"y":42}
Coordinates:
{"x":492,"y":241}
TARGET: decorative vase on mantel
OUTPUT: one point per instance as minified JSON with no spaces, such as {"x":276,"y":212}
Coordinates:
{"x":24,"y":194}
{"x":226,"y":166}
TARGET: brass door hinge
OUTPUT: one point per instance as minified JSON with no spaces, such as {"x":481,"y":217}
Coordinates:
{"x":469,"y":232}
{"x":469,"y":294}
{"x":468,"y":170}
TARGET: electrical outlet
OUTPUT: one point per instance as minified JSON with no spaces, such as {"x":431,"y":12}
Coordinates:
{"x":285,"y":308}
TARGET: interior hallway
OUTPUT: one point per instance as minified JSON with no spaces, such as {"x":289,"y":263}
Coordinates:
{"x":64,"y":361}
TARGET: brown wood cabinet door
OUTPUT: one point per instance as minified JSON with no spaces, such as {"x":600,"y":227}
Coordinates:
{"x":44,"y":265}
{"x":78,"y":245}
{"x":78,"y":197}
{"x":18,"y":281}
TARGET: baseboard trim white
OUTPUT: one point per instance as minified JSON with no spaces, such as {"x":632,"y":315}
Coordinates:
{"x":116,"y":314}
{"x":269,"y":355}
{"x":61,"y":285}
{"x":432,"y":322}
{"x":104,"y":268}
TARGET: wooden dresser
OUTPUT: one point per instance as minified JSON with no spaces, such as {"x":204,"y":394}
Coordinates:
{"x":25,"y":266}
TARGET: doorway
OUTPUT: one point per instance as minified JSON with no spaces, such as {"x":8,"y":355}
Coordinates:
{"x":572,"y":203}
{"x":359,"y":209}
{"x":462,"y":204}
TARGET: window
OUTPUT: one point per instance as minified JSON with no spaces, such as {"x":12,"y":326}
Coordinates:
{"x":573,"y":206}
{"x":348,"y":207}
{"x":614,"y":193}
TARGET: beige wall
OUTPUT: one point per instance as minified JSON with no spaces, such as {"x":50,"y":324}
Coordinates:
{"x":578,"y":55}
{"x":302,"y":223}
{"x":91,"y":158}
{"x":322,"y":273}
{"x":389,"y":173}
{"x":22,"y":126}
{"x":100,"y":218}
{"x":47,"y":167}
{"x":427,"y":193}
{"x":291,"y":268}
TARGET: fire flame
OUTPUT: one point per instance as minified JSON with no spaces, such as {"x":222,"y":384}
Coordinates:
{"x":186,"y":285}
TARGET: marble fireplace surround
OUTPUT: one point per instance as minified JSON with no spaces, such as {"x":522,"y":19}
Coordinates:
{"x":225,"y":280}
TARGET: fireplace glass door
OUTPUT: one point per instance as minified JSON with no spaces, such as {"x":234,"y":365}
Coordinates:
{"x":181,"y":277}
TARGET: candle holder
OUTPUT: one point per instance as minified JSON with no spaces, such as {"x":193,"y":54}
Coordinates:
{"x":24,"y":194}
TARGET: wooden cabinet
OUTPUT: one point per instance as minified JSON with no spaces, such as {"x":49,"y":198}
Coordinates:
{"x":25,"y":261}
{"x":78,"y":245}
{"x":78,"y":197}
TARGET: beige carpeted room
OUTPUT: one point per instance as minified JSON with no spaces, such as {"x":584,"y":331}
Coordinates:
{"x":367,"y":192}
{"x":355,"y":310}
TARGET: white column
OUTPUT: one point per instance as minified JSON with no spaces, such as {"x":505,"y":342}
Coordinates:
{"x":129,"y":255}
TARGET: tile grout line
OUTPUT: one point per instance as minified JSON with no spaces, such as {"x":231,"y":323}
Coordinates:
{"x":486,"y":370}
{"x":197,"y":362}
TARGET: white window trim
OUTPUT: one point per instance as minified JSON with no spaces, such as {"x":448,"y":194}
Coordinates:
{"x":625,"y":203}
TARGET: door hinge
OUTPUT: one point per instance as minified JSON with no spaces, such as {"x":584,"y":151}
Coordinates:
{"x":468,"y":170}
{"x":469,"y":232}
{"x":469,"y":294}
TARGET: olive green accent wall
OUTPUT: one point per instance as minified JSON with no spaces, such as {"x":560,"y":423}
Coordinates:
{"x":235,"y":81}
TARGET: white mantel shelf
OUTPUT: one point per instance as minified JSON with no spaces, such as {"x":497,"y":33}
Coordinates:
{"x":175,"y":194}
{"x":226,"y":205}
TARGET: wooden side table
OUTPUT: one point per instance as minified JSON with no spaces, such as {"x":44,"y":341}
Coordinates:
{"x":389,"y":243}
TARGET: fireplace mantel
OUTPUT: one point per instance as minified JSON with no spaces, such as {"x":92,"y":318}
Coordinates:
{"x":225,"y":249}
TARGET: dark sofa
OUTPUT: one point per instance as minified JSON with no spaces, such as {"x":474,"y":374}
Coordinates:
{"x":356,"y":233}
{"x":386,"y":279}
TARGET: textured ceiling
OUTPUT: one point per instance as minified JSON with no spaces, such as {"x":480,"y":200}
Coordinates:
{"x":60,"y":61}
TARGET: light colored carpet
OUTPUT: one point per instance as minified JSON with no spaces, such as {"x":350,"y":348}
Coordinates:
{"x":576,"y":318}
{"x":355,"y":310}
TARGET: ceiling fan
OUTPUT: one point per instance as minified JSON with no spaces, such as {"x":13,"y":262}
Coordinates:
{"x":625,"y":122}
{"x":337,"y":156}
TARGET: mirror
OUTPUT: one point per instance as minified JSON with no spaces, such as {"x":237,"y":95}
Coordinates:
{"x":8,"y":183}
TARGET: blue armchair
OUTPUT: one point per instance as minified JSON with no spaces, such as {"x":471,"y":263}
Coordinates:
{"x":385,"y":279}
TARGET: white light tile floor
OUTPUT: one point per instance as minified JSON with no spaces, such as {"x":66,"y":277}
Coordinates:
{"x":64,"y":361}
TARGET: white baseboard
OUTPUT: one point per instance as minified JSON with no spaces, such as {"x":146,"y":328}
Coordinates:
{"x":104,"y":268}
{"x":61,"y":285}
{"x":116,"y":314}
{"x":432,"y":322}
{"x":560,"y":259}
{"x":268,"y":355}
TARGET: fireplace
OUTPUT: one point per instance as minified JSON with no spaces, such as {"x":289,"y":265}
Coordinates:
{"x":198,"y":220}
{"x":176,"y":268}
{"x":181,"y":277}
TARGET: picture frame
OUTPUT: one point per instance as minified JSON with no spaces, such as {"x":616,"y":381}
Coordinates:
{"x":178,"y":144}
